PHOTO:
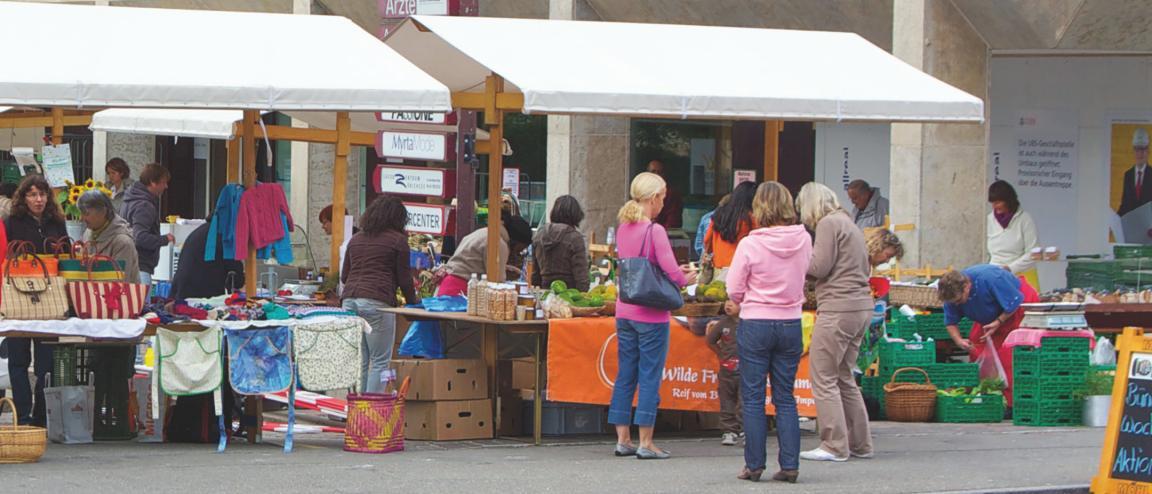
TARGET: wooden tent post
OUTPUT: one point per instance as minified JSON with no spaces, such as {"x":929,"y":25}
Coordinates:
{"x":772,"y":130}
{"x":57,"y":126}
{"x":494,"y":117}
{"x":253,"y":405}
{"x":232,"y":165}
{"x":340,"y":186}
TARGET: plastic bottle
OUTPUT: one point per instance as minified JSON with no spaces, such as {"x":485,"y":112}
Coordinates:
{"x":472,"y":284}
{"x":529,"y":267}
{"x":482,"y":296}
{"x":610,"y":238}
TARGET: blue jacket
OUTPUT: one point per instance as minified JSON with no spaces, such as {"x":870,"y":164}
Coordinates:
{"x":223,"y":227}
{"x":702,"y":230}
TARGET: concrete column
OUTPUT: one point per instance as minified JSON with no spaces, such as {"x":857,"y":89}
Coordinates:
{"x":99,"y":155}
{"x":588,"y":156}
{"x":938,"y":171}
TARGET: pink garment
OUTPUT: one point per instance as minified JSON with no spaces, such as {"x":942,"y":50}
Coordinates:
{"x":767,"y":274}
{"x":258,"y":223}
{"x":629,"y":239}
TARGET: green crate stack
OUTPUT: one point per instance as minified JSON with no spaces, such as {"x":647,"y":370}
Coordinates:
{"x":873,"y":387}
{"x":1045,"y":380}
{"x":1131,"y":251}
{"x":1091,"y":274}
{"x":897,"y":354}
{"x":925,"y":325}
{"x":943,"y":376}
{"x":970,"y":409}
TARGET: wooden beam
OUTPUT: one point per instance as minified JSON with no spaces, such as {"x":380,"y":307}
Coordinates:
{"x":57,"y":126}
{"x":480,"y":101}
{"x":248,"y":174}
{"x":232,"y":165}
{"x":40,"y":121}
{"x":772,"y":130}
{"x":494,"y":117}
{"x":318,"y":136}
{"x":340,"y":185}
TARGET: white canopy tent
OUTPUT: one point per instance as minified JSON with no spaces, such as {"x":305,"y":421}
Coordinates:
{"x":681,"y":71}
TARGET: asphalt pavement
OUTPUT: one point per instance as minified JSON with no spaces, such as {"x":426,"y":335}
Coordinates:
{"x":910,"y":458}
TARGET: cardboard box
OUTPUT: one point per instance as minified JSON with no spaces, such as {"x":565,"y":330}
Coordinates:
{"x":511,"y":416}
{"x":519,"y":373}
{"x":448,"y":420}
{"x":444,"y":379}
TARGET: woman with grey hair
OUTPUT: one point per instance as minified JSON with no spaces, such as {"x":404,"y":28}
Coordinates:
{"x":108,"y":234}
{"x":840,"y":267}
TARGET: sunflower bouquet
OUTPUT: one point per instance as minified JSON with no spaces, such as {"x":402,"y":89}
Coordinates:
{"x":69,"y":196}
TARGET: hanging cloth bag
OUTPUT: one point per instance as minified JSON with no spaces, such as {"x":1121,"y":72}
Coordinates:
{"x":259,"y":363}
{"x":328,"y":353}
{"x":643,"y":283}
{"x":190,"y":364}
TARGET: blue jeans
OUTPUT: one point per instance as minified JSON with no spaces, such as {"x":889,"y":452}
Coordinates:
{"x":29,"y":410}
{"x":641,"y":349}
{"x":770,"y":348}
{"x":376,"y":347}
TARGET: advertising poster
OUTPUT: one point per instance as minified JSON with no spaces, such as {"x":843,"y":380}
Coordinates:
{"x":1129,"y":209}
{"x":1044,"y":172}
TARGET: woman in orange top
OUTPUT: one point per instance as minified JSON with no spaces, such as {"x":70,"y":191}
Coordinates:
{"x":731,"y":223}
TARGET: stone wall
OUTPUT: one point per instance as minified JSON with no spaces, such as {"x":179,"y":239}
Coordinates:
{"x":136,"y":150}
{"x":321,"y":158}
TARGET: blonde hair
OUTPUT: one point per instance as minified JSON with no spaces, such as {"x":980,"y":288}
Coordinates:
{"x":772,"y":205}
{"x":644,"y":187}
{"x":815,"y":202}
{"x":881,"y":239}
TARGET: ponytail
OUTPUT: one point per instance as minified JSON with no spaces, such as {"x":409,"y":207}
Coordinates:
{"x":632,"y":212}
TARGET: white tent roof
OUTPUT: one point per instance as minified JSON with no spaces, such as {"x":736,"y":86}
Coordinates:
{"x":139,"y":57}
{"x":680,"y":71}
{"x":219,"y":124}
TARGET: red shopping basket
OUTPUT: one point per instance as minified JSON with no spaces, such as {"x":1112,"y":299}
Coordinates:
{"x":376,"y":422}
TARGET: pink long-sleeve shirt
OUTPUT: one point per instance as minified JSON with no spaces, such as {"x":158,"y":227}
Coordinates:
{"x":258,"y":223}
{"x":629,"y":240}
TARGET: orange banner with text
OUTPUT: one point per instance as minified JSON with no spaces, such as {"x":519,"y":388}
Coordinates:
{"x":582,"y":368}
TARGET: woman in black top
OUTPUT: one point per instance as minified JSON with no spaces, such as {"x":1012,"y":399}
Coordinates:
{"x":35,"y":218}
{"x":375,"y":265}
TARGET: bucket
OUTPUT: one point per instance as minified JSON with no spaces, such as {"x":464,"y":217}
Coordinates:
{"x":1096,"y":410}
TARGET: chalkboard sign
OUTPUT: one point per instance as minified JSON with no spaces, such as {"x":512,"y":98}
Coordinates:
{"x":1126,"y":459}
{"x":1133,"y":458}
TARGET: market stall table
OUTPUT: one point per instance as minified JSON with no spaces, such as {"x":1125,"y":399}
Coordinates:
{"x":490,"y":348}
{"x":1113,"y":318}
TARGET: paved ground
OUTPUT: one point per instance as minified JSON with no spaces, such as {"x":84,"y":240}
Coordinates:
{"x":911,"y":458}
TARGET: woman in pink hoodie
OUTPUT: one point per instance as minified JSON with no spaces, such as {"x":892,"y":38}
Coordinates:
{"x":767,"y":281}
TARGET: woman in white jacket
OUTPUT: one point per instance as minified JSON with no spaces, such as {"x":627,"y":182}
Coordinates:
{"x":1011,"y":233}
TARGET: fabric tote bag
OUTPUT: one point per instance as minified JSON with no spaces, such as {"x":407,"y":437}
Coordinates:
{"x":71,"y":412}
{"x":643,"y":283}
{"x":189,"y":363}
{"x":260,"y":362}
{"x":328,"y":353}
{"x":118,"y":299}
{"x":79,"y":265}
{"x":39,"y":297}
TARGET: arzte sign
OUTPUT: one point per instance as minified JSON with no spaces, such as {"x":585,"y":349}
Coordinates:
{"x":412,"y":145}
{"x":415,"y":181}
{"x":426,"y":218}
{"x":398,"y":9}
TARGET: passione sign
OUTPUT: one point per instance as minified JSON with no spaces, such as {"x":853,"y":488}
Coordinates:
{"x":1126,"y":460}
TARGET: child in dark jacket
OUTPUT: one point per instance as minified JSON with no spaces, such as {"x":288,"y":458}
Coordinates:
{"x":721,"y":338}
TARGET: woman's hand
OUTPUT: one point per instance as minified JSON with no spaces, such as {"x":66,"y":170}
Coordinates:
{"x":963,"y":343}
{"x":690,"y":273}
{"x":990,"y":329}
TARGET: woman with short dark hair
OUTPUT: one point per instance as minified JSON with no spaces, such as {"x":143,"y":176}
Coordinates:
{"x":559,"y":249}
{"x":108,"y":234}
{"x":1011,"y":233}
{"x":375,"y":265}
{"x":119,"y":179}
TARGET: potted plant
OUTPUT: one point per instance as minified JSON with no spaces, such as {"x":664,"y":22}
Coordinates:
{"x":69,"y":196}
{"x":1097,"y":396}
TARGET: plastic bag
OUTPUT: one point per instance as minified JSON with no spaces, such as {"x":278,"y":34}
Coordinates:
{"x":5,"y":381}
{"x":1105,"y":352}
{"x":423,"y":340}
{"x":556,"y":308}
{"x":446,"y":304}
{"x":990,"y":365}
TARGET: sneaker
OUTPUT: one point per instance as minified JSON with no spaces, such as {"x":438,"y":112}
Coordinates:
{"x":864,"y":456}
{"x":819,"y":454}
{"x":729,"y":439}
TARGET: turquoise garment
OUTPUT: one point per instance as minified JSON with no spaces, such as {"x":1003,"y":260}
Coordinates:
{"x":224,"y":223}
{"x":282,"y":248}
{"x":274,"y":312}
{"x":702,"y":230}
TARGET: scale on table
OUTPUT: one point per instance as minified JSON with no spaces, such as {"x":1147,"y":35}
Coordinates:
{"x":1067,"y":316}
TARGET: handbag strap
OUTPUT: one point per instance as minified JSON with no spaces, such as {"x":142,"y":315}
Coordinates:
{"x":644,"y":243}
{"x":92,"y":260}
{"x":35,"y":260}
{"x":57,"y":246}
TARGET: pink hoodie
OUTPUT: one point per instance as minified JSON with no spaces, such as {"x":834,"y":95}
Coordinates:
{"x":767,"y":274}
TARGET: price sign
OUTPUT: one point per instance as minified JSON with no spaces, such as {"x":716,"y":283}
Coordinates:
{"x":741,"y":176}
{"x":430,"y":219}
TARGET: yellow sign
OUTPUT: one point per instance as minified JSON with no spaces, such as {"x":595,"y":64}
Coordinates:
{"x":1126,"y":460}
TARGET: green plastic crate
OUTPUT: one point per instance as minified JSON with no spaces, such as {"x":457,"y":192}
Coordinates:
{"x":1042,"y":388}
{"x":970,"y":409}
{"x":906,"y":354}
{"x":873,"y":387}
{"x":1053,"y":413}
{"x":1058,"y":344}
{"x":943,"y":375}
{"x":1031,"y":362}
{"x":1131,"y":251}
{"x":925,"y":325}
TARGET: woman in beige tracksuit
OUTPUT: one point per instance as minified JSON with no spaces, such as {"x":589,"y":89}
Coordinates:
{"x":844,"y":303}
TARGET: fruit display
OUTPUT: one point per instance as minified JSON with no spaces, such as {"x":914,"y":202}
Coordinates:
{"x":713,"y":292}
{"x":591,"y":299}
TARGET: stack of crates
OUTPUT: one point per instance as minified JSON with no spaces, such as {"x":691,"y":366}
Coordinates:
{"x":1044,"y":380}
{"x":926,"y":325}
{"x":921,"y":355}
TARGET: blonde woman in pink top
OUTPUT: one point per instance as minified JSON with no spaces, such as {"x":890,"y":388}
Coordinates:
{"x":642,"y":332}
{"x":767,"y":281}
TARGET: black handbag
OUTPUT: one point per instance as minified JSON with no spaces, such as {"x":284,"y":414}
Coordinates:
{"x":643,"y":283}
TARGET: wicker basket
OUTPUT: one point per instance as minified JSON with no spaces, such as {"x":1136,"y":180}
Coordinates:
{"x":705,"y":309}
{"x":609,"y":308}
{"x":914,"y":295}
{"x":910,"y":402}
{"x":21,"y":443}
{"x":587,"y":311}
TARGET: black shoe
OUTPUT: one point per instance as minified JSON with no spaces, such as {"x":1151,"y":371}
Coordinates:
{"x":1008,"y":413}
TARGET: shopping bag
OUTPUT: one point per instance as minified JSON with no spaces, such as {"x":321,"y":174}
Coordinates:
{"x":23,"y":261}
{"x":151,"y":430}
{"x":643,"y":283}
{"x":376,"y":421}
{"x":423,"y":340}
{"x":38,"y":297}
{"x":5,"y":381}
{"x":93,"y":299}
{"x":79,"y":266}
{"x":328,"y":354}
{"x":990,"y":365}
{"x":71,"y":412}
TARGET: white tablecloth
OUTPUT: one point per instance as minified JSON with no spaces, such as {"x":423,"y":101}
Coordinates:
{"x":90,"y":328}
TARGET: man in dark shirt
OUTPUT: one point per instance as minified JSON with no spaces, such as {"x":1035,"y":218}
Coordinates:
{"x":672,"y":216}
{"x":197,"y":278}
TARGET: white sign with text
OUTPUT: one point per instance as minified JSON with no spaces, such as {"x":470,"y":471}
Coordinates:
{"x":429,"y":219}
{"x":412,"y":181}
{"x":412,"y":145}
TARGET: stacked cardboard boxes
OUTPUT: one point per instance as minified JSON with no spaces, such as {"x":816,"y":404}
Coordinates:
{"x":447,"y":399}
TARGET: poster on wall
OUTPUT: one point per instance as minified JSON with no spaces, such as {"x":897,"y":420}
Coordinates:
{"x":1044,"y":172}
{"x":1130,"y":199}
